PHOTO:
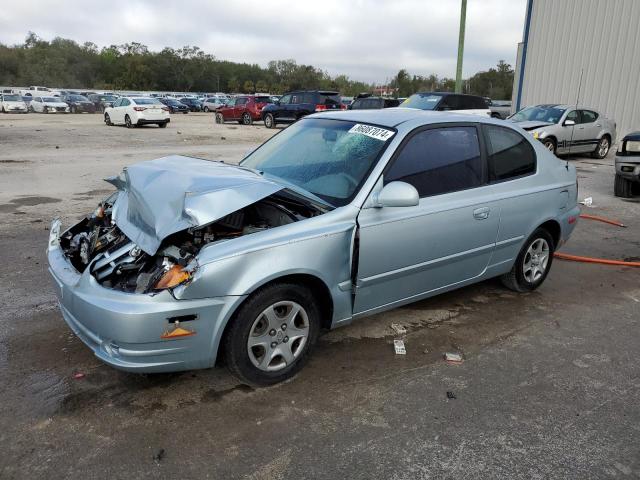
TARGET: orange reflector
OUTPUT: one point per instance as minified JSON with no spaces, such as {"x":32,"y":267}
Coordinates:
{"x":177,"y":333}
{"x":174,"y":276}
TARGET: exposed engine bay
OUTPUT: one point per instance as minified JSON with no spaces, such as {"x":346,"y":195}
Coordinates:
{"x":118,"y":263}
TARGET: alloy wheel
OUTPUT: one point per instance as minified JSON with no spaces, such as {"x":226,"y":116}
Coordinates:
{"x":603,"y":147}
{"x":278,"y":336}
{"x":536,"y":260}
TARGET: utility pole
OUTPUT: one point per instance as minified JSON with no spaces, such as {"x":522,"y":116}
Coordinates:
{"x":463,"y":20}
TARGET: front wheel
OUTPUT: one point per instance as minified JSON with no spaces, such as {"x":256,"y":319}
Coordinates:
{"x":602,"y":149}
{"x":269,"y":121}
{"x":533,"y":263}
{"x":246,"y":119}
{"x":107,"y":120}
{"x":550,"y":145}
{"x":622,"y":187}
{"x":206,"y":109}
{"x":272,"y":334}
{"x":162,"y":124}
{"x":127,"y":121}
{"x":219,"y":118}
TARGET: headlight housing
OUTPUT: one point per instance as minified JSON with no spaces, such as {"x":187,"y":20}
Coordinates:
{"x":632,"y":146}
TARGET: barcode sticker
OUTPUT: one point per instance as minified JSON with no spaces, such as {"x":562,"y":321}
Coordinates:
{"x":378,"y":133}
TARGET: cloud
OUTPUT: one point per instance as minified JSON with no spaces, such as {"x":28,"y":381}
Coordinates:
{"x":367,"y":40}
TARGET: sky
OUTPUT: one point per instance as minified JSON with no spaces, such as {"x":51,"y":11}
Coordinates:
{"x":368,"y":40}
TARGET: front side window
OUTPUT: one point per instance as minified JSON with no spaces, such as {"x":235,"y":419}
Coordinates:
{"x":328,"y":158}
{"x":573,"y":115}
{"x":509,"y":154}
{"x":285,"y":99}
{"x":125,"y":102}
{"x":241,"y":101}
{"x":439,"y":160}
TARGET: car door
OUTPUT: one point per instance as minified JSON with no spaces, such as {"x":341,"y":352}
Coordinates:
{"x":406,"y":253}
{"x":121,"y":110}
{"x":280,"y":112}
{"x":567,"y":133}
{"x":588,"y":130}
{"x":240,"y":107}
{"x":36,"y":104}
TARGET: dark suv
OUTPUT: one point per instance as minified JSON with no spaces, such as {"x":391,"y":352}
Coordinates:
{"x":79,"y":104}
{"x":102,"y":101}
{"x":369,"y":102}
{"x":294,"y":105}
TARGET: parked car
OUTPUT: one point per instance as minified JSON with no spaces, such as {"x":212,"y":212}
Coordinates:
{"x":346,"y":101}
{"x":448,"y":102}
{"x":12,"y":103}
{"x":137,"y":111}
{"x":102,"y":101}
{"x":211,"y":104}
{"x":370,"y":102}
{"x":193,"y":103}
{"x":564,"y":129}
{"x":244,"y":109}
{"x":627,"y":182}
{"x":48,"y":105}
{"x":293,"y":106}
{"x":174,"y":105}
{"x":79,"y":104}
{"x":340,"y":216}
{"x":500,"y":108}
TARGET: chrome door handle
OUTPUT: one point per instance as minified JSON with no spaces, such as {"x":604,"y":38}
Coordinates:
{"x":481,"y":213}
{"x":598,"y":125}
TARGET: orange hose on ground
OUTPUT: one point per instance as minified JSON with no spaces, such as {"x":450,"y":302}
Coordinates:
{"x":603,"y":261}
{"x":602,"y":219}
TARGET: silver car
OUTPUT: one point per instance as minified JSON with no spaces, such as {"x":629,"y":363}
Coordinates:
{"x":339,"y":216}
{"x":565,"y":129}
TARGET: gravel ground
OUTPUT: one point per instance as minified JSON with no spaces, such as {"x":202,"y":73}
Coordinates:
{"x":549,"y":388}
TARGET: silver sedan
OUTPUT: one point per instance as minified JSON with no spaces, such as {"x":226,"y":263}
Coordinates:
{"x":339,"y":216}
{"x":565,"y":129}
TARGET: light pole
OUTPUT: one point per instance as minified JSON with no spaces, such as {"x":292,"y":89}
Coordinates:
{"x":463,"y":19}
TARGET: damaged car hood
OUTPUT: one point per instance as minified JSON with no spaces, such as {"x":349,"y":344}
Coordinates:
{"x":160,"y":197}
{"x":532,"y":124}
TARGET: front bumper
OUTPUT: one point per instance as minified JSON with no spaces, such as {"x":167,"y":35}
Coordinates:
{"x":124,"y":330}
{"x":628,"y":167}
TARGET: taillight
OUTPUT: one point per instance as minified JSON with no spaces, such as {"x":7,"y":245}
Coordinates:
{"x":321,"y":108}
{"x":139,"y":109}
{"x":343,"y":106}
{"x":166,"y":109}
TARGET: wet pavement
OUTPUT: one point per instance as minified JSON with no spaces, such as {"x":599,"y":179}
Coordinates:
{"x":549,"y":388}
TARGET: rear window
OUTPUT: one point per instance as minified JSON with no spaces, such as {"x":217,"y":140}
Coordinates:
{"x":510,"y":155}
{"x":11,"y":98}
{"x":423,"y":101}
{"x":146,"y":101}
{"x":329,"y":98}
{"x":263,"y":99}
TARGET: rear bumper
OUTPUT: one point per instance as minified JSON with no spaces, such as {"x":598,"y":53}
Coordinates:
{"x":143,"y":121}
{"x":628,"y":167}
{"x":124,"y":330}
{"x":568,"y":222}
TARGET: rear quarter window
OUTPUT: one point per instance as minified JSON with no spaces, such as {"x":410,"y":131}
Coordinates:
{"x":509,"y":154}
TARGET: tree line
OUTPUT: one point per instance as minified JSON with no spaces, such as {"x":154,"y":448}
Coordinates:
{"x":132,"y":66}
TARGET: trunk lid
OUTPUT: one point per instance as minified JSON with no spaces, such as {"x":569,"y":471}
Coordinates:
{"x":160,"y":197}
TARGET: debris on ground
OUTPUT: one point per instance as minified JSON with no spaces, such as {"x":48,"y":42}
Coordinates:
{"x":399,"y":329}
{"x":453,"y":358}
{"x":78,"y":375}
{"x":587,"y":202}
{"x":160,"y":455}
{"x":451,"y":395}
{"x":398,"y":345}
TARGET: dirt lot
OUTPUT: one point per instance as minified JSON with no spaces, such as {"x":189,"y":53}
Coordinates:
{"x":550,"y":386}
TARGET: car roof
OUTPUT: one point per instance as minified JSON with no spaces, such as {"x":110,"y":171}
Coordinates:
{"x":444,"y":94}
{"x":564,"y":106}
{"x":392,"y":117}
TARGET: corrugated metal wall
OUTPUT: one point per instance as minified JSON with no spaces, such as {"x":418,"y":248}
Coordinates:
{"x":600,"y":37}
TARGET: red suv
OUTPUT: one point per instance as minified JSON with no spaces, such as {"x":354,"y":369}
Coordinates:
{"x":244,"y":109}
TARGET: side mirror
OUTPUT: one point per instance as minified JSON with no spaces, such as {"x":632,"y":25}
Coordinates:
{"x":397,"y":194}
{"x":569,"y":123}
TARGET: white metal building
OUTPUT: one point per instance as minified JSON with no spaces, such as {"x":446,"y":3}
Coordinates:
{"x":596,"y":39}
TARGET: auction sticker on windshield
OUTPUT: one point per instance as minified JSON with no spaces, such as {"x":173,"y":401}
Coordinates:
{"x":373,"y":132}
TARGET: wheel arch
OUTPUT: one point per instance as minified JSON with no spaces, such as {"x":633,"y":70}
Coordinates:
{"x":555,"y":230}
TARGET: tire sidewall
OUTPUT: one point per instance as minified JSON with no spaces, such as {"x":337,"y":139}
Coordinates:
{"x":237,"y":335}
{"x":522,"y":281}
{"x":246,"y":119}
{"x":547,"y":142}
{"x":270,"y":123}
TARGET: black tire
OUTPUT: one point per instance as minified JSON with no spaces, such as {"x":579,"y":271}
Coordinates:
{"x":515,"y":279}
{"x":601,"y":152}
{"x":219,"y":118}
{"x":3,"y":110}
{"x":127,"y":122}
{"x":162,"y":124}
{"x":246,"y":119}
{"x":234,"y":342}
{"x":30,"y":108}
{"x":622,"y":187}
{"x":550,"y":144}
{"x":107,"y":120}
{"x":269,"y":121}
{"x":73,"y":109}
{"x":205,"y":109}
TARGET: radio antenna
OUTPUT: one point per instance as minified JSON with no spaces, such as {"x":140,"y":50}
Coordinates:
{"x":577,"y":102}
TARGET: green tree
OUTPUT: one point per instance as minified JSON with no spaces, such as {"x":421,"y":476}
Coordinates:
{"x":248,"y":87}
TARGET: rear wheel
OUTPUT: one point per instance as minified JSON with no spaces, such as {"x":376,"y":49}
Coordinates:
{"x":219,"y":118}
{"x":533,"y":263}
{"x":246,"y":119}
{"x":127,"y":121}
{"x":272,"y":334}
{"x":603,"y":148}
{"x":162,"y":124}
{"x":73,"y":109}
{"x":269,"y":121}
{"x":206,"y":109}
{"x":107,"y":120}
{"x":550,"y":145}
{"x":623,"y":187}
